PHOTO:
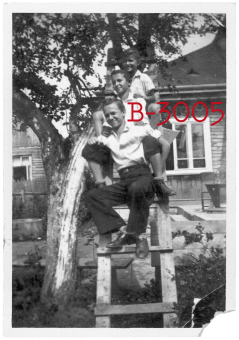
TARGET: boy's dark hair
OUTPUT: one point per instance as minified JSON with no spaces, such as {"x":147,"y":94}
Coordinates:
{"x":132,"y":52}
{"x":117,"y":101}
{"x":123,"y":72}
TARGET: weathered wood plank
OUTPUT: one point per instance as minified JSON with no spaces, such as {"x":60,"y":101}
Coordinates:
{"x":103,"y":291}
{"x":168,"y":283}
{"x":178,"y":218}
{"x":102,"y":251}
{"x":88,"y":263}
{"x":134,"y":309}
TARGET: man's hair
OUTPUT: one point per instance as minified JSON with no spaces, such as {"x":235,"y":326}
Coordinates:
{"x":117,"y":101}
{"x":123,"y":72}
{"x":131,"y":52}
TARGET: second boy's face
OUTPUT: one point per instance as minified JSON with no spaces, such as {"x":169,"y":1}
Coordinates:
{"x":130,"y":65}
{"x":120,"y":84}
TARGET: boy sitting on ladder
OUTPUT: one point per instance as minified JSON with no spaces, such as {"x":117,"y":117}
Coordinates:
{"x":136,"y":187}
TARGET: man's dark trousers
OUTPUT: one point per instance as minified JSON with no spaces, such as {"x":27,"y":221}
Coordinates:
{"x":136,"y":189}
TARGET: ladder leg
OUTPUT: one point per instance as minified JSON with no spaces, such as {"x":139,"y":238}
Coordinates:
{"x":114,"y":281}
{"x":169,"y":292}
{"x":164,"y":261}
{"x":103,"y":293}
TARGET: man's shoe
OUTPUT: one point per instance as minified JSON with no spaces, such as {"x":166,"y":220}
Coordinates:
{"x":142,"y":248}
{"x":122,"y":240}
{"x":162,"y":189}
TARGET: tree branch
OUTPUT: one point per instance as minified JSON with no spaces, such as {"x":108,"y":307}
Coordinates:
{"x":126,"y":35}
{"x":82,"y":81}
{"x":73,"y":83}
{"x":146,"y":22}
{"x":50,"y":139}
{"x":115,"y":35}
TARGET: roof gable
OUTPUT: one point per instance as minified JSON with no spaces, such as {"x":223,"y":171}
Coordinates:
{"x":204,"y":66}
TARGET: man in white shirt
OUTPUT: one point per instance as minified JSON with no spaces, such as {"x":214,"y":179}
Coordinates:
{"x":136,"y":187}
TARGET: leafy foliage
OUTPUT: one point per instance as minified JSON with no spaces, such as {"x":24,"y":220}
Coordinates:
{"x":197,"y":277}
{"x":55,"y":55}
{"x":34,"y":207}
{"x":193,"y":237}
{"x":61,"y":47}
{"x":27,"y":311}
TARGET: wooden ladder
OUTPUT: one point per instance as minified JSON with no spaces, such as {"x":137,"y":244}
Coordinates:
{"x":160,"y":248}
{"x":161,"y":258}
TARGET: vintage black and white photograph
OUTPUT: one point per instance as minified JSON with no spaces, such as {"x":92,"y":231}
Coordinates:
{"x":119,"y":168}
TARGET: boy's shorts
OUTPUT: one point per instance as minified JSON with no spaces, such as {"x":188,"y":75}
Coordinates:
{"x":99,"y":153}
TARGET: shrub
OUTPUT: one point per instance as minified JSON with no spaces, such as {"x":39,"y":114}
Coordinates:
{"x":35,"y":206}
{"x":196,"y":277}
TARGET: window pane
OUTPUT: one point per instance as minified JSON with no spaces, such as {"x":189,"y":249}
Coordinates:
{"x":182,"y":164}
{"x":199,"y":163}
{"x":25,"y":160}
{"x":16,"y":161}
{"x":19,"y":173}
{"x":182,"y":148}
{"x":170,"y":159}
{"x":198,"y":141}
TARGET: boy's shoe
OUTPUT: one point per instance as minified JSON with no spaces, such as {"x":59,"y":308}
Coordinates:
{"x":142,"y":248}
{"x":162,"y":189}
{"x":122,"y":240}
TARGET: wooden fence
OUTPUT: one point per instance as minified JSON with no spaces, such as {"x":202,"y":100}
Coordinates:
{"x":29,"y":198}
{"x":36,"y":186}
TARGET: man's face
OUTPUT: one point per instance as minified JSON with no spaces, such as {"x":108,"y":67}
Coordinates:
{"x":130,"y":64}
{"x":113,"y":115}
{"x":120,"y":84}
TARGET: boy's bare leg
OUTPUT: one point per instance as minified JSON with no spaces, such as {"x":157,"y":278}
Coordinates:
{"x":156,"y":162}
{"x":158,"y":168}
{"x":97,"y":173}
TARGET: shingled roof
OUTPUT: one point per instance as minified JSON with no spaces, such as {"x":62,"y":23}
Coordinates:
{"x":206,"y":65}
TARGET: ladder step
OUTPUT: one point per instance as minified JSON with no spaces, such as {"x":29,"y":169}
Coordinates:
{"x":106,"y":309}
{"x":101,"y":251}
{"x":178,"y":218}
{"x":87,"y":263}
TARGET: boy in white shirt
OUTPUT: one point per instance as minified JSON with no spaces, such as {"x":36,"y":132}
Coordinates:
{"x":136,"y":187}
{"x":141,"y":84}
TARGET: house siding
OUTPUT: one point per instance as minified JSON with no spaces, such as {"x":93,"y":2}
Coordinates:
{"x":218,"y":139}
{"x":27,"y":143}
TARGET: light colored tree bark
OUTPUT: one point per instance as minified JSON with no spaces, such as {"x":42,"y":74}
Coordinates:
{"x":65,"y":178}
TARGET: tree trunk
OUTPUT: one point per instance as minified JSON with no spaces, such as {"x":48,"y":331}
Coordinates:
{"x":63,"y":208}
{"x":65,"y":176}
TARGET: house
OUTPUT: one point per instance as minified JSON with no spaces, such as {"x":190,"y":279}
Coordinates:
{"x":197,"y":79}
{"x":26,"y":156}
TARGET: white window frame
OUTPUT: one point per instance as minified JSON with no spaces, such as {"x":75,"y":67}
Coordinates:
{"x":207,"y":144}
{"x":29,"y":166}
